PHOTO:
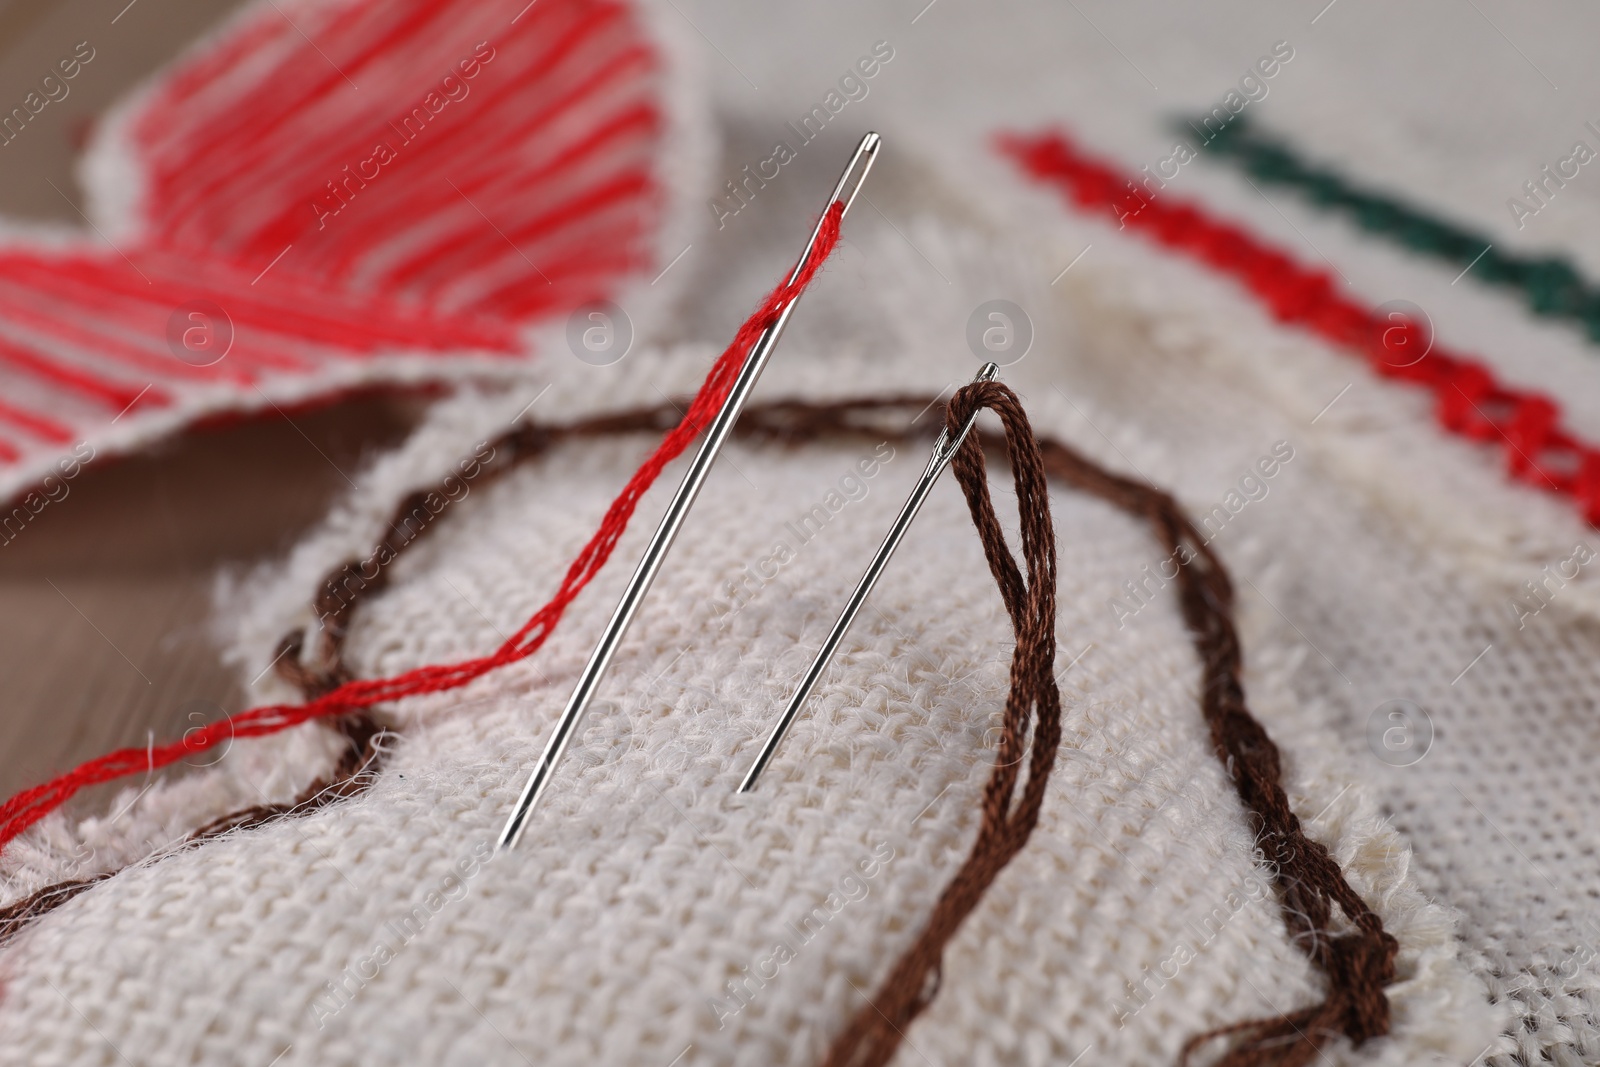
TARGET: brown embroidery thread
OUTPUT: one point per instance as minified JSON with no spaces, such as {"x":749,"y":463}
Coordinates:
{"x":875,"y":1032}
{"x":1358,"y":963}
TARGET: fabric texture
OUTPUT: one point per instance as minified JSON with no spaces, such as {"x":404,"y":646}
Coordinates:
{"x":644,"y":887}
{"x":640,"y":919}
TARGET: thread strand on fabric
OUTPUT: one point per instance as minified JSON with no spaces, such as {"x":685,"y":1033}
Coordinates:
{"x":1552,"y":285}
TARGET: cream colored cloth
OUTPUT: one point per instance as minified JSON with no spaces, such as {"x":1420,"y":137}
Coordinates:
{"x":1377,"y":564}
{"x":646,"y":895}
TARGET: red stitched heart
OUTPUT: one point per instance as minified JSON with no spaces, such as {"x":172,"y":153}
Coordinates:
{"x":342,"y":180}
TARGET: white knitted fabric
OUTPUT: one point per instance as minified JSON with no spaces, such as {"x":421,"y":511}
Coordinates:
{"x":1377,"y":566}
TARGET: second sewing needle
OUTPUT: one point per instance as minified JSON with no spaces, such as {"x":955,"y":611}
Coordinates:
{"x":944,"y":450}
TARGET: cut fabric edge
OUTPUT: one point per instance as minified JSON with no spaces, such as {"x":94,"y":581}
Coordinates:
{"x":1441,"y":1011}
{"x":146,"y":820}
{"x":133,"y":431}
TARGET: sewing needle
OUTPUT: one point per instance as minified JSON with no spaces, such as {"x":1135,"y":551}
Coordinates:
{"x":844,"y":192}
{"x":944,"y":450}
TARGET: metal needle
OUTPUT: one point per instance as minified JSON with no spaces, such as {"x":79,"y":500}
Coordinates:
{"x":845,"y":192}
{"x":944,"y":450}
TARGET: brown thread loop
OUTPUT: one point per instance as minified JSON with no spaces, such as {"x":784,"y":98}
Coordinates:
{"x":875,"y":1032}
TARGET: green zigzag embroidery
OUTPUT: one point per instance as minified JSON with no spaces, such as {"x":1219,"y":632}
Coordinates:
{"x":1551,"y":284}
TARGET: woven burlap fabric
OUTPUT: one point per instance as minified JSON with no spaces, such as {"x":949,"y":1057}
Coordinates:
{"x":1376,"y":567}
{"x":644,"y":886}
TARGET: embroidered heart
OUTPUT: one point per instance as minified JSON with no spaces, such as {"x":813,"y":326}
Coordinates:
{"x":325,"y":194}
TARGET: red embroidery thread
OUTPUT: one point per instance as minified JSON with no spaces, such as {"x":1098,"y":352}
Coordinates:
{"x":28,"y":807}
{"x":1469,"y":400}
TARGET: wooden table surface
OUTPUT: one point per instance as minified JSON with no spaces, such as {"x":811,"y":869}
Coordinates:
{"x":105,"y":598}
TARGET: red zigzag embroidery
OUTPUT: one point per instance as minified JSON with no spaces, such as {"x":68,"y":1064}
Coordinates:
{"x":1469,"y":400}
